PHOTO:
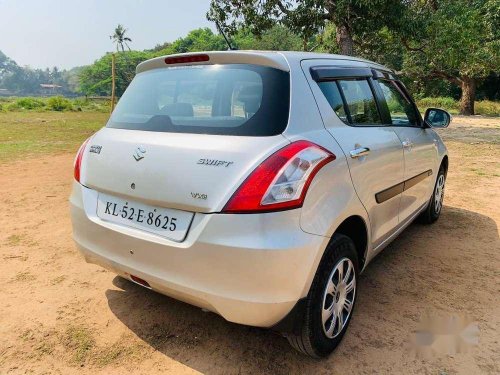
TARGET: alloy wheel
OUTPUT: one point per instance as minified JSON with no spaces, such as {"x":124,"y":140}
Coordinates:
{"x":439,"y":194}
{"x":338,"y":298}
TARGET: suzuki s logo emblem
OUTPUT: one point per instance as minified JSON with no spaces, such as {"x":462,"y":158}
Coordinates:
{"x":139,"y":153}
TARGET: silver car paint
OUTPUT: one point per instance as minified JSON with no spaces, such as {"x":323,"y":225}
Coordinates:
{"x":168,"y":156}
{"x":384,"y":166}
{"x":249,"y":268}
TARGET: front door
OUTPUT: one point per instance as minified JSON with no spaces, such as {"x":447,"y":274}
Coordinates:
{"x":419,"y":145}
{"x":373,"y":150}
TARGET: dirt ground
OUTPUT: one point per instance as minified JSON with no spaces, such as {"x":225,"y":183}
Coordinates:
{"x":60,"y":315}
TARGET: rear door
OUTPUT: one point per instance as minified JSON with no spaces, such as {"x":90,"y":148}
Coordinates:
{"x":419,"y":145}
{"x":373,"y":151}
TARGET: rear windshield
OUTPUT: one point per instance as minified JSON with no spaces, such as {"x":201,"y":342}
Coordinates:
{"x":235,"y":99}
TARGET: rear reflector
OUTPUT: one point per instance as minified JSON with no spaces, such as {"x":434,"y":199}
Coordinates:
{"x":187,"y":59}
{"x":281,"y":181}
{"x":140,"y":281}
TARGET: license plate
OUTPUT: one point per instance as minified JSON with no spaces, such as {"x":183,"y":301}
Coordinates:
{"x":165,"y":222}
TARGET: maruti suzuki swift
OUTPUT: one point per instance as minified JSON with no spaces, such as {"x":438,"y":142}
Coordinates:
{"x":258,"y":185}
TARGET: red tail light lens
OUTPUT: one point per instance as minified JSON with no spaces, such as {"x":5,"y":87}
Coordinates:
{"x":186,"y":59}
{"x":78,"y":160}
{"x":281,"y":181}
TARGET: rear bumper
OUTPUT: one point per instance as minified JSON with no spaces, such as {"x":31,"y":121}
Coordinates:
{"x":251,"y":269}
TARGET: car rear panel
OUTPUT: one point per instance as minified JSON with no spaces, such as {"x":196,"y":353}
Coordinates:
{"x":251,"y":269}
{"x":192,"y":172}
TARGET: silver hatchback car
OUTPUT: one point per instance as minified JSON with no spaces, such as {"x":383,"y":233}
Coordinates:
{"x":258,"y":185}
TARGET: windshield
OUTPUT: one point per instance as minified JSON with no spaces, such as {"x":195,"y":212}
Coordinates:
{"x":235,"y":99}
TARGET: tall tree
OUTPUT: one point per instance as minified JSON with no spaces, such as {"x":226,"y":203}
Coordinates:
{"x":95,"y":79}
{"x":276,"y":38}
{"x":456,"y":40}
{"x":352,"y":18}
{"x":120,"y":39}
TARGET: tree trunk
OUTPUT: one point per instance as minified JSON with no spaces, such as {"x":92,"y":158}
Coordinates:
{"x":468,"y":95}
{"x":344,"y":40}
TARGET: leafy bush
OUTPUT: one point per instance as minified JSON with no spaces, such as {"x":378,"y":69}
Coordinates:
{"x":89,"y":105}
{"x":12,"y":106}
{"x":446,"y":103}
{"x":484,"y":107}
{"x":487,"y":108}
{"x":58,"y":103}
{"x":29,"y":103}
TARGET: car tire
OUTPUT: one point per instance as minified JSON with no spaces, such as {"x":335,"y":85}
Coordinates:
{"x":435,"y":206}
{"x":316,"y":338}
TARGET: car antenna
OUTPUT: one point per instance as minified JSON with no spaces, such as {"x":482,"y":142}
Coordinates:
{"x":230,"y":47}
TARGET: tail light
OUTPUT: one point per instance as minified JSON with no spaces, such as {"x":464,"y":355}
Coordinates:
{"x":78,"y":160}
{"x":281,"y":181}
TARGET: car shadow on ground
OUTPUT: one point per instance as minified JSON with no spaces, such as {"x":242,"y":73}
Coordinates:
{"x":420,"y":269}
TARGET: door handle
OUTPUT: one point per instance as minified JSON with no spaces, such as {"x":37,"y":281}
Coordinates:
{"x":407,"y":144}
{"x":360,"y":151}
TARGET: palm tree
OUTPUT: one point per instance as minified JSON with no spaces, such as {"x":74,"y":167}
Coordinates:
{"x":120,"y":39}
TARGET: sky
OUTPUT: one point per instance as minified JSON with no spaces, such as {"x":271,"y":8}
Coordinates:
{"x":69,"y":33}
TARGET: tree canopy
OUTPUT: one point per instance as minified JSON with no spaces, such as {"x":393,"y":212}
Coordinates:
{"x":25,"y":81}
{"x":438,"y":47}
{"x":453,"y":40}
{"x":120,"y":39}
{"x":458,"y":41}
{"x":95,"y":79}
{"x":353,"y":19}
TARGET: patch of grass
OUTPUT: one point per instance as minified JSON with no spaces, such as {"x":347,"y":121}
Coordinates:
{"x":483,"y":107}
{"x":19,"y":239}
{"x":23,"y":277}
{"x":116,"y":353}
{"x":27,"y":335}
{"x":479,"y":172}
{"x":43,"y":348}
{"x":54,"y":103}
{"x":42,"y":342}
{"x":14,"y":239}
{"x":31,"y":133}
{"x":487,"y":108}
{"x":482,"y":173}
{"x":449,"y":104}
{"x":80,"y":342}
{"x":58,"y":280}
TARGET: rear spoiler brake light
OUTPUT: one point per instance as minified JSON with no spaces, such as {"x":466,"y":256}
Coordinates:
{"x":187,"y":59}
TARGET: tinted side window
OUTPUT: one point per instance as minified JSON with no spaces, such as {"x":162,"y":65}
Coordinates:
{"x":352,"y":100}
{"x":332,"y":94}
{"x":400,"y":108}
{"x":360,"y":102}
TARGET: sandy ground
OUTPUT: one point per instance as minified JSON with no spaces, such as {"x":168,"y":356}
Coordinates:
{"x":61,"y":315}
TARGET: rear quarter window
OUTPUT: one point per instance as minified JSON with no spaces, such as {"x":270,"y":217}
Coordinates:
{"x":235,"y":99}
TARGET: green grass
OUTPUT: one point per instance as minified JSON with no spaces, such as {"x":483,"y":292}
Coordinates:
{"x":483,"y":107}
{"x":79,"y":341}
{"x":42,"y":133}
{"x":54,"y":103}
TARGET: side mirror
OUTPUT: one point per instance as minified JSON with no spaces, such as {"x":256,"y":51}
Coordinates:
{"x":437,"y":118}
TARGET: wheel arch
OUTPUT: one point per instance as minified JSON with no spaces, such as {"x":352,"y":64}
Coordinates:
{"x":356,"y":229}
{"x":444,"y":164}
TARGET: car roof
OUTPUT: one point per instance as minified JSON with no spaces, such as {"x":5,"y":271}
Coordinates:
{"x":275,"y":59}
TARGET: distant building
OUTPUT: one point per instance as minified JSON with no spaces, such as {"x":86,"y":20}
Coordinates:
{"x":50,"y":88}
